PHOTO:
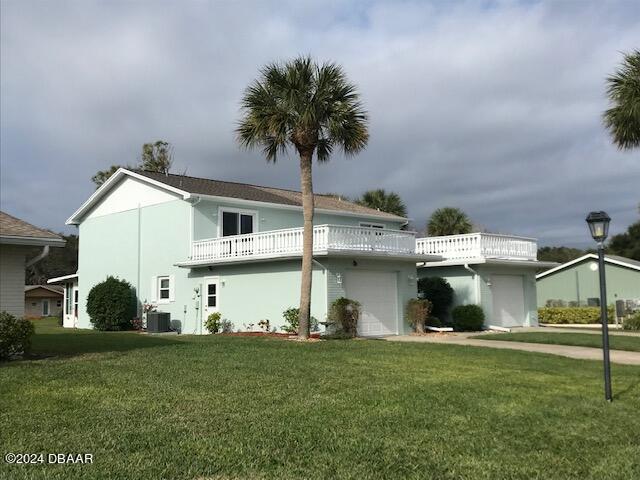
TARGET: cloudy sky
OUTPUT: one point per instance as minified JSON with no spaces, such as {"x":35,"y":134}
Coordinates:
{"x":493,"y":107}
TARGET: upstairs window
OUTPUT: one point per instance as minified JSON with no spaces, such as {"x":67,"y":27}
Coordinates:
{"x":237,"y":222}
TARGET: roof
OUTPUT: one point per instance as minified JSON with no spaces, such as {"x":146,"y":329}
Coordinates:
{"x":612,"y":259}
{"x":195,"y":186}
{"x":63,"y":278}
{"x":18,"y":232}
{"x":56,"y":289}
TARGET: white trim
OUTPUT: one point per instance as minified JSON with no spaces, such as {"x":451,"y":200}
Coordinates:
{"x":371,"y":225}
{"x":60,"y":279}
{"x":592,"y":256}
{"x":158,"y":289}
{"x":240,"y":211}
{"x":204,"y":298}
{"x":488,"y":261}
{"x":76,"y":217}
{"x":37,"y":241}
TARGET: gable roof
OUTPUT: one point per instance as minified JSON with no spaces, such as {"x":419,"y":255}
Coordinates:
{"x":55,"y":289}
{"x":187,"y":187}
{"x":18,"y":232}
{"x":612,"y":259}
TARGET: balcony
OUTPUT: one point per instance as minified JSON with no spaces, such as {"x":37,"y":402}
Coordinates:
{"x":474,"y":246}
{"x":327,"y":239}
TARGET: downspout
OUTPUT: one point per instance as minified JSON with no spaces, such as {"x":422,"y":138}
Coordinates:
{"x":139,"y":305}
{"x":475,"y":277}
{"x":40,"y":256}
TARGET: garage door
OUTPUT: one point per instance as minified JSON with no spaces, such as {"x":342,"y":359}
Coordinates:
{"x":508,"y":300}
{"x":377,"y":293}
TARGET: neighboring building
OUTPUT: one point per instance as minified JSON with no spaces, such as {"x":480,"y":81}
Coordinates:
{"x":42,"y":301}
{"x":17,"y":241}
{"x":193,"y":246}
{"x":578,"y":283}
{"x":494,"y":271}
{"x":69,"y":299}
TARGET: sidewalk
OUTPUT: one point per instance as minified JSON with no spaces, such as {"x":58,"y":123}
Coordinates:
{"x":582,"y":353}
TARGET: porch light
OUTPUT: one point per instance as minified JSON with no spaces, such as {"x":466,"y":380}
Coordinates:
{"x":339,"y":278}
{"x":599,"y":225}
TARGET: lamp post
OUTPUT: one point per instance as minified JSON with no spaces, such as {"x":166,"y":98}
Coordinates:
{"x":599,"y":226}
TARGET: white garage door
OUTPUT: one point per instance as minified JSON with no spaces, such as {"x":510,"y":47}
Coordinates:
{"x":508,"y":300}
{"x":377,"y":293}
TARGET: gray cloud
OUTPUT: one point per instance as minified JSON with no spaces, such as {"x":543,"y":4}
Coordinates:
{"x":493,"y":106}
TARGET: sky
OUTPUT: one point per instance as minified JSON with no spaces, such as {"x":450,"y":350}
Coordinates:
{"x":493,"y":107}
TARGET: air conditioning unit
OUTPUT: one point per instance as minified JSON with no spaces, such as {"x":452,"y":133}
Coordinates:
{"x":158,"y":322}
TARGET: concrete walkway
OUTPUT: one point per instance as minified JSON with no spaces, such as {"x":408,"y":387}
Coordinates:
{"x":583,"y":353}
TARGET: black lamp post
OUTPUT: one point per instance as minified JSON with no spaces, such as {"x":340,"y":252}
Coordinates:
{"x":599,"y":226}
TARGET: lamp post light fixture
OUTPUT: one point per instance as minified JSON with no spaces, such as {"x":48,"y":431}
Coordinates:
{"x":599,"y":226}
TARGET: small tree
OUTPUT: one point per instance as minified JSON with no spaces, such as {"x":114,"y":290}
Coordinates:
{"x":418,"y":310}
{"x":448,"y":221}
{"x":111,"y":305}
{"x":438,"y":291}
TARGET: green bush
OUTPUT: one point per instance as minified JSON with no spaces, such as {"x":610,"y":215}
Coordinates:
{"x":563,"y":315}
{"x":438,"y":291}
{"x":434,"y":322}
{"x":292,"y":317}
{"x":344,"y":314}
{"x":632,"y":323}
{"x":417,"y":313}
{"x":111,"y":305}
{"x":212,"y":323}
{"x":467,"y":318}
{"x":15,"y":336}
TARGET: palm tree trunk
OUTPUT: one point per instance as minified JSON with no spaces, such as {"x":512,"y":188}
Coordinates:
{"x":307,"y":244}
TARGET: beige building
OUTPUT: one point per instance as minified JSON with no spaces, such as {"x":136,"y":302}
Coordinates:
{"x":43,"y":301}
{"x":17,"y":241}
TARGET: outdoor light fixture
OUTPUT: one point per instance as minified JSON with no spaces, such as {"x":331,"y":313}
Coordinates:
{"x":339,"y":278}
{"x":599,"y":226}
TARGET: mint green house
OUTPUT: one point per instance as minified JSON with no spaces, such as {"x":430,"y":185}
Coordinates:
{"x":494,"y":271}
{"x":577,"y":282}
{"x":193,"y":246}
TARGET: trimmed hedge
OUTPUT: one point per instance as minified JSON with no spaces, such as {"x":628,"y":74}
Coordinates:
{"x":632,"y":323}
{"x":467,"y":318}
{"x":565,"y":315}
{"x":111,"y":305}
{"x":15,"y":336}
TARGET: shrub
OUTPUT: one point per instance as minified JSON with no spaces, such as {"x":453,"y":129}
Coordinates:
{"x":344,"y":313}
{"x":111,"y":305}
{"x":562,"y":315}
{"x":417,"y":313}
{"x":15,"y":336}
{"x":467,"y":318}
{"x":212,"y":323}
{"x":433,"y":322}
{"x":292,"y":317}
{"x":226,"y":326}
{"x":60,"y":318}
{"x":632,"y":323}
{"x":438,"y":291}
{"x":265,"y":325}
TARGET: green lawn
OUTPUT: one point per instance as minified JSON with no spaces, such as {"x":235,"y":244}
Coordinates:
{"x":228,"y":407}
{"x":616,"y":342}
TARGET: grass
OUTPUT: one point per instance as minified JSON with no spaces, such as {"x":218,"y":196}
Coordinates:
{"x":616,"y":342}
{"x":227,"y":407}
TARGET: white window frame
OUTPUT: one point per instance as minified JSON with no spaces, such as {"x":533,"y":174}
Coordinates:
{"x":169,"y":290}
{"x":239,"y":211}
{"x":372,"y":225}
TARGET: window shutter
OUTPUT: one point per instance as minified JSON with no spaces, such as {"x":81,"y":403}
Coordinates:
{"x":154,"y":289}
{"x":172,"y":288}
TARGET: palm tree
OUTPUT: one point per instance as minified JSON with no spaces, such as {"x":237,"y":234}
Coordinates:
{"x":383,"y":201}
{"x":623,"y":89}
{"x":448,"y":221}
{"x":309,"y":108}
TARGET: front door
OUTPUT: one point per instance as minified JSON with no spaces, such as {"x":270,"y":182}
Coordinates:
{"x":209,"y":299}
{"x":45,"y":307}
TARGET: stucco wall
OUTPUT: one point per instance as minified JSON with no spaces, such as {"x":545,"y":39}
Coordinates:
{"x":579,"y":282}
{"x":12,"y":278}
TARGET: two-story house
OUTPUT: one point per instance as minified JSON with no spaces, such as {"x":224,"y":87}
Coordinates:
{"x":193,"y":246}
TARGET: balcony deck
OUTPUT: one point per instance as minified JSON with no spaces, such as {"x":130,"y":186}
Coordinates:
{"x":479,"y":247}
{"x":287,"y":243}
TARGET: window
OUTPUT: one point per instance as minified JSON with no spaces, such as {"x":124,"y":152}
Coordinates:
{"x":164,"y":289}
{"x":58,"y":303}
{"x":75,"y":303}
{"x":67,"y":295}
{"x":237,"y":222}
{"x":371,"y":225}
{"x":212,"y":294}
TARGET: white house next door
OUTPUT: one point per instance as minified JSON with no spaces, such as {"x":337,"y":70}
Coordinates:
{"x":210,"y":292}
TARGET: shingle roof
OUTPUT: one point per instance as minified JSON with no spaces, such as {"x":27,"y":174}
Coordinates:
{"x":52,"y":288}
{"x":630,"y":261}
{"x":257,"y":193}
{"x":14,"y":227}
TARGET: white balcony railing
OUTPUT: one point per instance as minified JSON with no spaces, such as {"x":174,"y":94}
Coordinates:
{"x":326,"y":238}
{"x":478,"y":245}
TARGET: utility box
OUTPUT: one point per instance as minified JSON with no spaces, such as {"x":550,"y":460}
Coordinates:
{"x":158,"y":322}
